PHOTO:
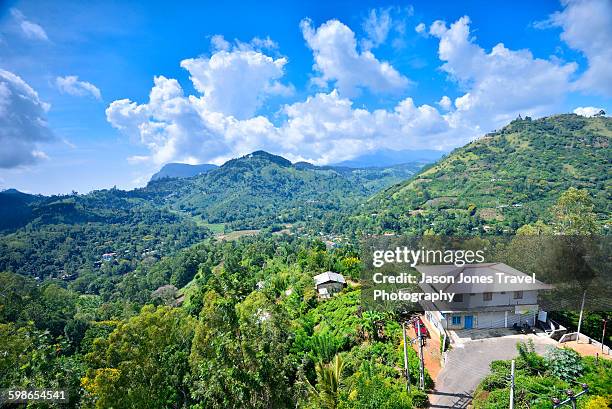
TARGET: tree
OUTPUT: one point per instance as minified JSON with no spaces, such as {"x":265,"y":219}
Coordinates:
{"x":329,"y":377}
{"x":143,"y":363}
{"x":240,"y":353}
{"x":574,"y":213}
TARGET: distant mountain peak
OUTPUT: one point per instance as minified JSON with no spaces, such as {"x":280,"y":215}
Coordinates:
{"x":279,"y":160}
{"x":181,"y":170}
{"x":387,"y":157}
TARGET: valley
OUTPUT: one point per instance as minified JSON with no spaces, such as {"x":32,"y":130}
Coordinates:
{"x":205,"y":277}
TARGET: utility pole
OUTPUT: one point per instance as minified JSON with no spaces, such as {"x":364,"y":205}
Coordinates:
{"x":422,"y":366}
{"x":407,"y":371}
{"x":571,"y":397}
{"x":603,"y":335}
{"x":512,"y":385}
{"x":580,"y":318}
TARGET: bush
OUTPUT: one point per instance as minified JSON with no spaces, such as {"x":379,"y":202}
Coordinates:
{"x":493,"y":381}
{"x":420,"y":399}
{"x":564,"y":363}
{"x":597,"y":402}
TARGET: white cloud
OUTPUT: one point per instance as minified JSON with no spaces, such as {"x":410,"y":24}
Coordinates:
{"x":445,"y":103}
{"x":420,"y":28}
{"x":338,"y":61}
{"x":385,"y":23}
{"x":180,"y":128}
{"x":377,"y":26}
{"x":23,"y":124}
{"x":502,"y":83}
{"x":587,"y":27}
{"x":588,"y":111}
{"x":29,"y":29}
{"x":237,"y":81}
{"x":324,"y":128}
{"x":71,"y":85}
{"x":219,"y":43}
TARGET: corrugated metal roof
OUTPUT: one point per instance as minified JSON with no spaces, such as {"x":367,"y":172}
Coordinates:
{"x":329,"y":276}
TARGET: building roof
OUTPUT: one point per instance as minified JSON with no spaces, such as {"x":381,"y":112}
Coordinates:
{"x":327,"y":277}
{"x":479,"y":271}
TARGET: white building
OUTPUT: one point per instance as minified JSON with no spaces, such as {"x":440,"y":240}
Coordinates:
{"x":499,"y":304}
{"x":329,"y":283}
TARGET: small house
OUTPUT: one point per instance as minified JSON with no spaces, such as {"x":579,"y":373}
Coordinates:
{"x":329,"y":283}
{"x":108,"y":256}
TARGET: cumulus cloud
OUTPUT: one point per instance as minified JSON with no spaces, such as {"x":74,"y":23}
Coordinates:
{"x":71,"y":85}
{"x":23,"y":124}
{"x":587,"y":27}
{"x":181,"y":128}
{"x":28,"y":28}
{"x":236,"y":80}
{"x":221,"y":121}
{"x":445,"y":103}
{"x":324,"y":128}
{"x":421,"y":28}
{"x":502,"y":83}
{"x":327,"y":128}
{"x":588,"y":111}
{"x":338,"y":61}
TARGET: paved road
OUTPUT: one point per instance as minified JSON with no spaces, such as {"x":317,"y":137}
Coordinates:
{"x":467,"y":364}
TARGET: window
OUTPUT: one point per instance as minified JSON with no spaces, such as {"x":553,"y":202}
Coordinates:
{"x":458,"y":298}
{"x":487,"y":296}
{"x":457,"y":320}
{"x":518,"y":295}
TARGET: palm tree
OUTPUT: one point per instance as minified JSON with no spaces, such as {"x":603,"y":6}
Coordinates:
{"x":329,"y":378}
{"x":324,"y":347}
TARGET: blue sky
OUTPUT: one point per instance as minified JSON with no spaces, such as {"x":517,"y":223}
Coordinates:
{"x":79,"y":108}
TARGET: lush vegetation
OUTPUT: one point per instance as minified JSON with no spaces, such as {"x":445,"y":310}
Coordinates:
{"x":250,"y":333}
{"x":65,"y":237}
{"x":501,"y":181}
{"x":261,"y":189}
{"x":540,"y":378}
{"x":128,"y":299}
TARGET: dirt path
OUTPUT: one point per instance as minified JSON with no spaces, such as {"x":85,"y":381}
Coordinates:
{"x":584,"y":349}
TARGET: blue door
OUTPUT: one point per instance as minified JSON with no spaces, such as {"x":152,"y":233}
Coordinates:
{"x":468,"y":321}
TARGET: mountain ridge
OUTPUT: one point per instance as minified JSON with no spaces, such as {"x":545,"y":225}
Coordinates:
{"x":181,"y":170}
{"x":502,"y":180}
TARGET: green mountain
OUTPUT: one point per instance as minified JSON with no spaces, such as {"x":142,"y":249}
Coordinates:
{"x":502,"y":180}
{"x":261,"y":189}
{"x":67,"y":236}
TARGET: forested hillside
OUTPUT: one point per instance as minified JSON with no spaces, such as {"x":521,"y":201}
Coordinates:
{"x":261,"y":189}
{"x":501,"y":181}
{"x":250,"y":333}
{"x":94,"y":239}
{"x":181,"y":170}
{"x":90,"y":238}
